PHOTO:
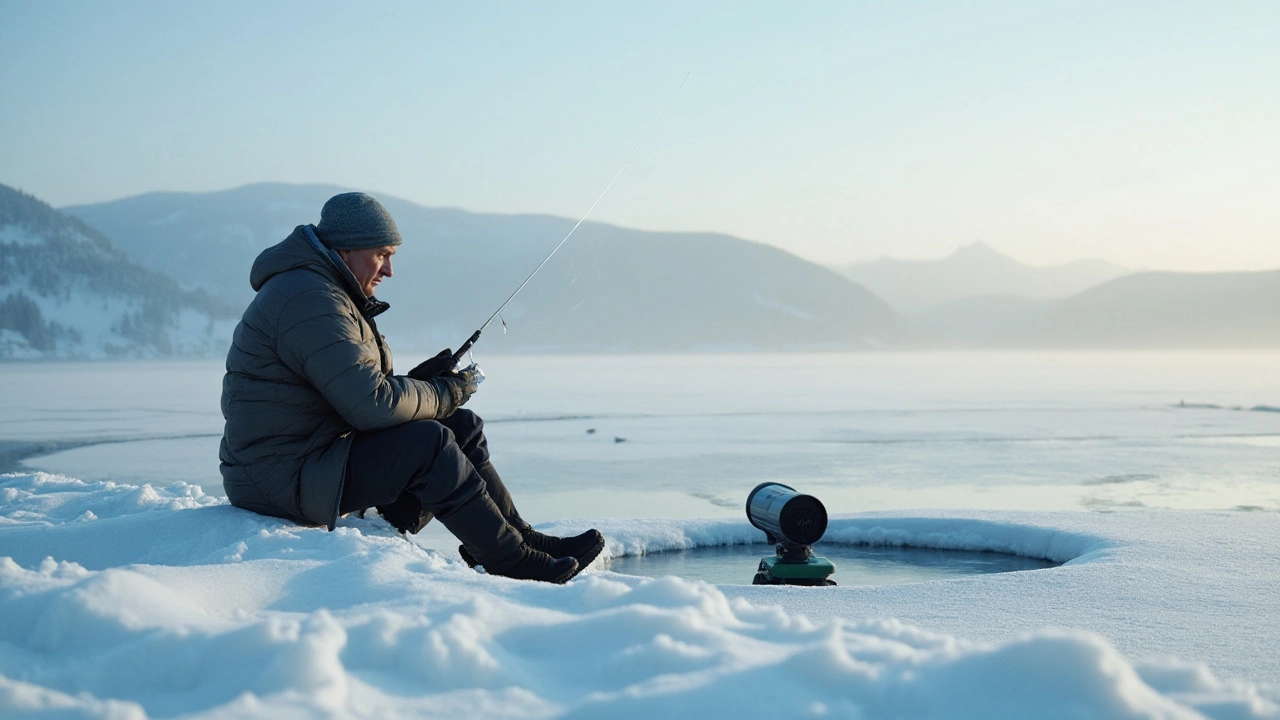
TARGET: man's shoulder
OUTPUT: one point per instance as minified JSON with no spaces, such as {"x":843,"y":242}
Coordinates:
{"x":301,"y":286}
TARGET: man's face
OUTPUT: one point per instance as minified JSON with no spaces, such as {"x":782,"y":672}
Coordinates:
{"x":369,"y":265}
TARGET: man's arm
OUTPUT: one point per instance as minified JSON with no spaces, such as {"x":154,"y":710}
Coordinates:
{"x":319,"y":339}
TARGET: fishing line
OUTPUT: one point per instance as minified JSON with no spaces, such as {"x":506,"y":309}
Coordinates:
{"x":476,"y":335}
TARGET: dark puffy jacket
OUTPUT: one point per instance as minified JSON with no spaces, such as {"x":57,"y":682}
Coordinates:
{"x":306,"y":369}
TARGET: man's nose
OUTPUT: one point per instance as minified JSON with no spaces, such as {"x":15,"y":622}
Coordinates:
{"x":386,"y":268}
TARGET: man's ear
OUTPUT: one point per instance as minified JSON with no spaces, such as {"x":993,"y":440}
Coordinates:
{"x":345,"y":255}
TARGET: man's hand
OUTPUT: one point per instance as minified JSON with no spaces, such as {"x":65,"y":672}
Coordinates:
{"x":469,"y":378}
{"x":441,"y":364}
{"x":456,"y":388}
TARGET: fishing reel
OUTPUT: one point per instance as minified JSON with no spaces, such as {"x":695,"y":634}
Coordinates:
{"x":479,"y":374}
{"x":793,"y":522}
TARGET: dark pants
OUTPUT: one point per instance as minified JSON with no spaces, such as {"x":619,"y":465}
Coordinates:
{"x":439,"y":463}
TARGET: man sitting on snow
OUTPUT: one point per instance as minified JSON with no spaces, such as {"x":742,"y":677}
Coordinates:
{"x":317,"y":424}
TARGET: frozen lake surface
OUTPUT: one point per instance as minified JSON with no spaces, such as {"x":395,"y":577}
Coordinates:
{"x":689,"y":436}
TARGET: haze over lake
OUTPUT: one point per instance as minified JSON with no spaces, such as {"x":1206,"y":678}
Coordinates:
{"x":689,"y":435}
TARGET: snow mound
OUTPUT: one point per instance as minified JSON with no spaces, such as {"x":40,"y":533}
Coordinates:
{"x":129,"y":602}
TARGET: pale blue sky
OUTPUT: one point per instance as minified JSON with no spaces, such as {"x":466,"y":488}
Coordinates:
{"x":1143,"y":133}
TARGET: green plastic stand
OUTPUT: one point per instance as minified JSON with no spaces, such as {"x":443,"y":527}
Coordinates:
{"x":775,"y":571}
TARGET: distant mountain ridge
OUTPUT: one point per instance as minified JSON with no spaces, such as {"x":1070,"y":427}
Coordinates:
{"x":612,"y":289}
{"x":1150,"y":310}
{"x":1164,"y":310}
{"x":203,"y":244}
{"x":609,"y":288}
{"x":66,"y":291}
{"x":917,"y":286}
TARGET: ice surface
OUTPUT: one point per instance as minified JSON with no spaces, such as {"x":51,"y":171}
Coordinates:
{"x":121,"y":598}
{"x":1025,"y":431}
{"x":127,"y":601}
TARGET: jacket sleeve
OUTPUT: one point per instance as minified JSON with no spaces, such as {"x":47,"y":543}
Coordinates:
{"x":320,"y":338}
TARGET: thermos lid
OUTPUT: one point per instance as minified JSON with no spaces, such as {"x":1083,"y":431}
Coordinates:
{"x":802,"y":519}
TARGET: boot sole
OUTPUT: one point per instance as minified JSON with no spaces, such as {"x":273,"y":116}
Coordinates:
{"x":556,"y":580}
{"x":568,"y":576}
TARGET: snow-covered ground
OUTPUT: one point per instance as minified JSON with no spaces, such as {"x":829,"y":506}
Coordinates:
{"x":1152,"y":477}
{"x":126,"y":601}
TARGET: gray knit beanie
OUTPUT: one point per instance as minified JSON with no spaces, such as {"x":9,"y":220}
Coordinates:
{"x":354,"y":221}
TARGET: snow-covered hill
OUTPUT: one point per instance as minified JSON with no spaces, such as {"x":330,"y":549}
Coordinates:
{"x":608,"y":289}
{"x":1143,"y":310}
{"x":978,"y":298}
{"x":67,"y":292}
{"x":613,"y":289}
{"x":916,"y":286}
{"x":1166,"y":310}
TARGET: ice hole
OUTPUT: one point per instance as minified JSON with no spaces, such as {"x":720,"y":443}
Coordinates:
{"x":855,"y":564}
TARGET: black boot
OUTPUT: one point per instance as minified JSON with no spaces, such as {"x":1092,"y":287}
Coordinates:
{"x":492,"y":542}
{"x":583,"y":548}
{"x":537,"y":565}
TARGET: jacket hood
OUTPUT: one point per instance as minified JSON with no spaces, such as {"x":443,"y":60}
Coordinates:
{"x":303,"y":250}
{"x":292,"y":253}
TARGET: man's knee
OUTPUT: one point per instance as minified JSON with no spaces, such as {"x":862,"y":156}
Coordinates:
{"x":382,"y":464}
{"x":426,"y":434}
{"x":468,"y":432}
{"x":464,"y":423}
{"x":401,"y":451}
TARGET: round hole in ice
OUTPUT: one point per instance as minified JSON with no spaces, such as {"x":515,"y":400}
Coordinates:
{"x":855,"y":564}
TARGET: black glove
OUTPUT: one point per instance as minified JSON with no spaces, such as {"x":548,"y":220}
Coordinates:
{"x":455,"y":389}
{"x":441,"y":364}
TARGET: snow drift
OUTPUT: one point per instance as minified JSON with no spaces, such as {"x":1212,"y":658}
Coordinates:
{"x":121,"y":601}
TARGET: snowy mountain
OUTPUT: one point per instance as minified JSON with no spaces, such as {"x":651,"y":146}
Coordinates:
{"x":609,"y":288}
{"x":612,"y":289}
{"x":1145,"y":310}
{"x":1166,"y":310}
{"x":206,"y":241}
{"x":67,"y":292}
{"x":916,"y":286}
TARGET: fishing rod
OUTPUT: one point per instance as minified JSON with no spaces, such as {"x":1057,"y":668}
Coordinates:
{"x":457,"y":357}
